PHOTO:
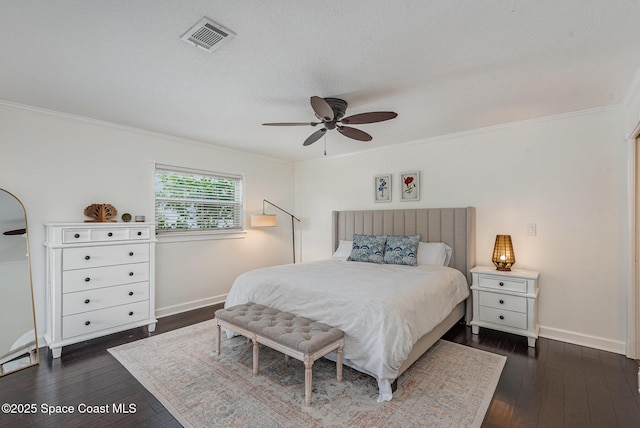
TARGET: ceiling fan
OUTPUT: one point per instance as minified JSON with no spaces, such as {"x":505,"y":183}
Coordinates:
{"x":331,"y":111}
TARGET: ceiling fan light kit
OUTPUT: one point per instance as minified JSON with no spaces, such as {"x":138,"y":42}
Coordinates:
{"x":330,"y":112}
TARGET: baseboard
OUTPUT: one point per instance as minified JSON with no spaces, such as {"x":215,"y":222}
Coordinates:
{"x":602,"y":343}
{"x":188,"y":306}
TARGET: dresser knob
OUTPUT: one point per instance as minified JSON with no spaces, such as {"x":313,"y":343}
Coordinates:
{"x":131,"y":253}
{"x":130,"y":313}
{"x":87,"y":301}
{"x":87,"y":322}
{"x":110,"y":234}
{"x":77,"y":235}
{"x":130,"y":293}
{"x":130,"y":273}
{"x":87,"y":279}
{"x":501,"y":284}
{"x":87,"y":257}
{"x":501,"y":302}
{"x":139,"y":233}
{"x":501,"y":317}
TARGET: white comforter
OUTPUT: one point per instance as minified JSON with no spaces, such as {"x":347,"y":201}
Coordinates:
{"x":383,"y":309}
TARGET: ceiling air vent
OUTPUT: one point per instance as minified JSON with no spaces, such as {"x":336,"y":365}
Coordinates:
{"x":207,"y":35}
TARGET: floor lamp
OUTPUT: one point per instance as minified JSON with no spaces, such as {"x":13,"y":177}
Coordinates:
{"x":269,"y":220}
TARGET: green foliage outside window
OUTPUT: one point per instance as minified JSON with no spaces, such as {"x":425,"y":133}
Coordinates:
{"x":189,"y":201}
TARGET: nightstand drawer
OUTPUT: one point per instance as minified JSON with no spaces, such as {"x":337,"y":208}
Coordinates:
{"x":502,"y":283}
{"x":502,"y":317}
{"x":503,"y":301}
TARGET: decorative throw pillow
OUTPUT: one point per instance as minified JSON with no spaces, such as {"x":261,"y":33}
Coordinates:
{"x":402,"y":250}
{"x":368,"y":248}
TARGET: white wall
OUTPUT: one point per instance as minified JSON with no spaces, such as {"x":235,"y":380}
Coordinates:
{"x":565,"y":174}
{"x":57,"y":165}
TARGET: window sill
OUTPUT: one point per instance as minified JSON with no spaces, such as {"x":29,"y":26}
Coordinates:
{"x":200,"y":236}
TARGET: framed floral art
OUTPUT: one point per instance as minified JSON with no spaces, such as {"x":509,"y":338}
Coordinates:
{"x":382,"y":188}
{"x":410,"y":186}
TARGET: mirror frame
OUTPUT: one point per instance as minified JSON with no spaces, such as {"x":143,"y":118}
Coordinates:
{"x":35,"y":357}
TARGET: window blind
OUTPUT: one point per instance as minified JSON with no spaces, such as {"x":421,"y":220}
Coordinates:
{"x":187,"y":200}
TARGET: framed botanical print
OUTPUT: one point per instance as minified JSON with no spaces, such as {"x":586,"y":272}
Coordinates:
{"x":410,"y":186}
{"x":382,"y":188}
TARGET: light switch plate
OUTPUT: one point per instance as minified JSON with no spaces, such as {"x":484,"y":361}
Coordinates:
{"x":531,"y":229}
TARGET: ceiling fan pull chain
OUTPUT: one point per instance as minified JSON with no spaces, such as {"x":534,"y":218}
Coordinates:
{"x":325,"y":143}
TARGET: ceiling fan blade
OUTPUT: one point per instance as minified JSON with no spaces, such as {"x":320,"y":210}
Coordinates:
{"x":314,"y":137}
{"x":371,"y":117}
{"x":292,"y":124}
{"x":354,"y":133}
{"x":15,"y":232}
{"x":322,"y":108}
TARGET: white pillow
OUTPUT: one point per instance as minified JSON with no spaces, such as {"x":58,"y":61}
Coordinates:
{"x":434,"y":253}
{"x":447,"y":259}
{"x":344,"y":250}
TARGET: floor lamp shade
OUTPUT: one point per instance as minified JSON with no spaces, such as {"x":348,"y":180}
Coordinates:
{"x":263,"y":220}
{"x":503,"y":256}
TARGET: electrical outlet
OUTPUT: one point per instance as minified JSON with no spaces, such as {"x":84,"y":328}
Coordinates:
{"x":531,"y":229}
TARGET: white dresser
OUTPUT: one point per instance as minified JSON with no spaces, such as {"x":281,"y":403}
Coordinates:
{"x":506,"y":301}
{"x":100,"y":280}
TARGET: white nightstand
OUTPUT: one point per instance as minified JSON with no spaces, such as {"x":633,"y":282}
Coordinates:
{"x":506,"y":301}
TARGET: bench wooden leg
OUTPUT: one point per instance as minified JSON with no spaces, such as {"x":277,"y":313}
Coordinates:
{"x":217,"y":338}
{"x":308,"y":378}
{"x":255,"y":357}
{"x":339,"y":362}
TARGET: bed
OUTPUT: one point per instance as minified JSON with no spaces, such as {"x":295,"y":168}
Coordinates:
{"x":386,"y":321}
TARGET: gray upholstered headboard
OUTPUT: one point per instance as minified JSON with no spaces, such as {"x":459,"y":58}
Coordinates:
{"x":455,"y":227}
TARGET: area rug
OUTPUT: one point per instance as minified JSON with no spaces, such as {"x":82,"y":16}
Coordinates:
{"x":450,"y":386}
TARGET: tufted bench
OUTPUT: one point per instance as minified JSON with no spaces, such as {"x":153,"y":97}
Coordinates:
{"x":294,"y":336}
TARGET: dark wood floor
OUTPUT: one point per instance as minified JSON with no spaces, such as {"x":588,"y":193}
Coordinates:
{"x":554,"y":385}
{"x":557,"y":384}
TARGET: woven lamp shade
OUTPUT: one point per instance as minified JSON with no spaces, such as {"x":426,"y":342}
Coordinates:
{"x":503,"y":256}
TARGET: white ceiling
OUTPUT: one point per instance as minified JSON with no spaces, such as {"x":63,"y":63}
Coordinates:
{"x":443,"y":66}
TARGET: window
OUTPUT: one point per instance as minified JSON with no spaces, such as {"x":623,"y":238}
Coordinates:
{"x":191,"y":201}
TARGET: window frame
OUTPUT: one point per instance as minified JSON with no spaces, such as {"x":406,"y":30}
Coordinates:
{"x":197,"y":234}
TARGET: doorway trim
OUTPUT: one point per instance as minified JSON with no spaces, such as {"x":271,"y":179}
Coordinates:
{"x":633,"y":301}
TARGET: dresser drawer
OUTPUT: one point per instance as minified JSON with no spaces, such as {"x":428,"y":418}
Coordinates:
{"x":109,"y":235}
{"x":503,"y":301}
{"x":88,"y":257}
{"x":76,"y":235}
{"x":79,"y":235}
{"x":139,"y":233}
{"x":89,"y":279}
{"x":91,"y":300}
{"x":89,"y":322}
{"x":503,"y":317}
{"x":501,"y":283}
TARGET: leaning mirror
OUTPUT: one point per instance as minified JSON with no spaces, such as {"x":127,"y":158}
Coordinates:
{"x":18,"y":337}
